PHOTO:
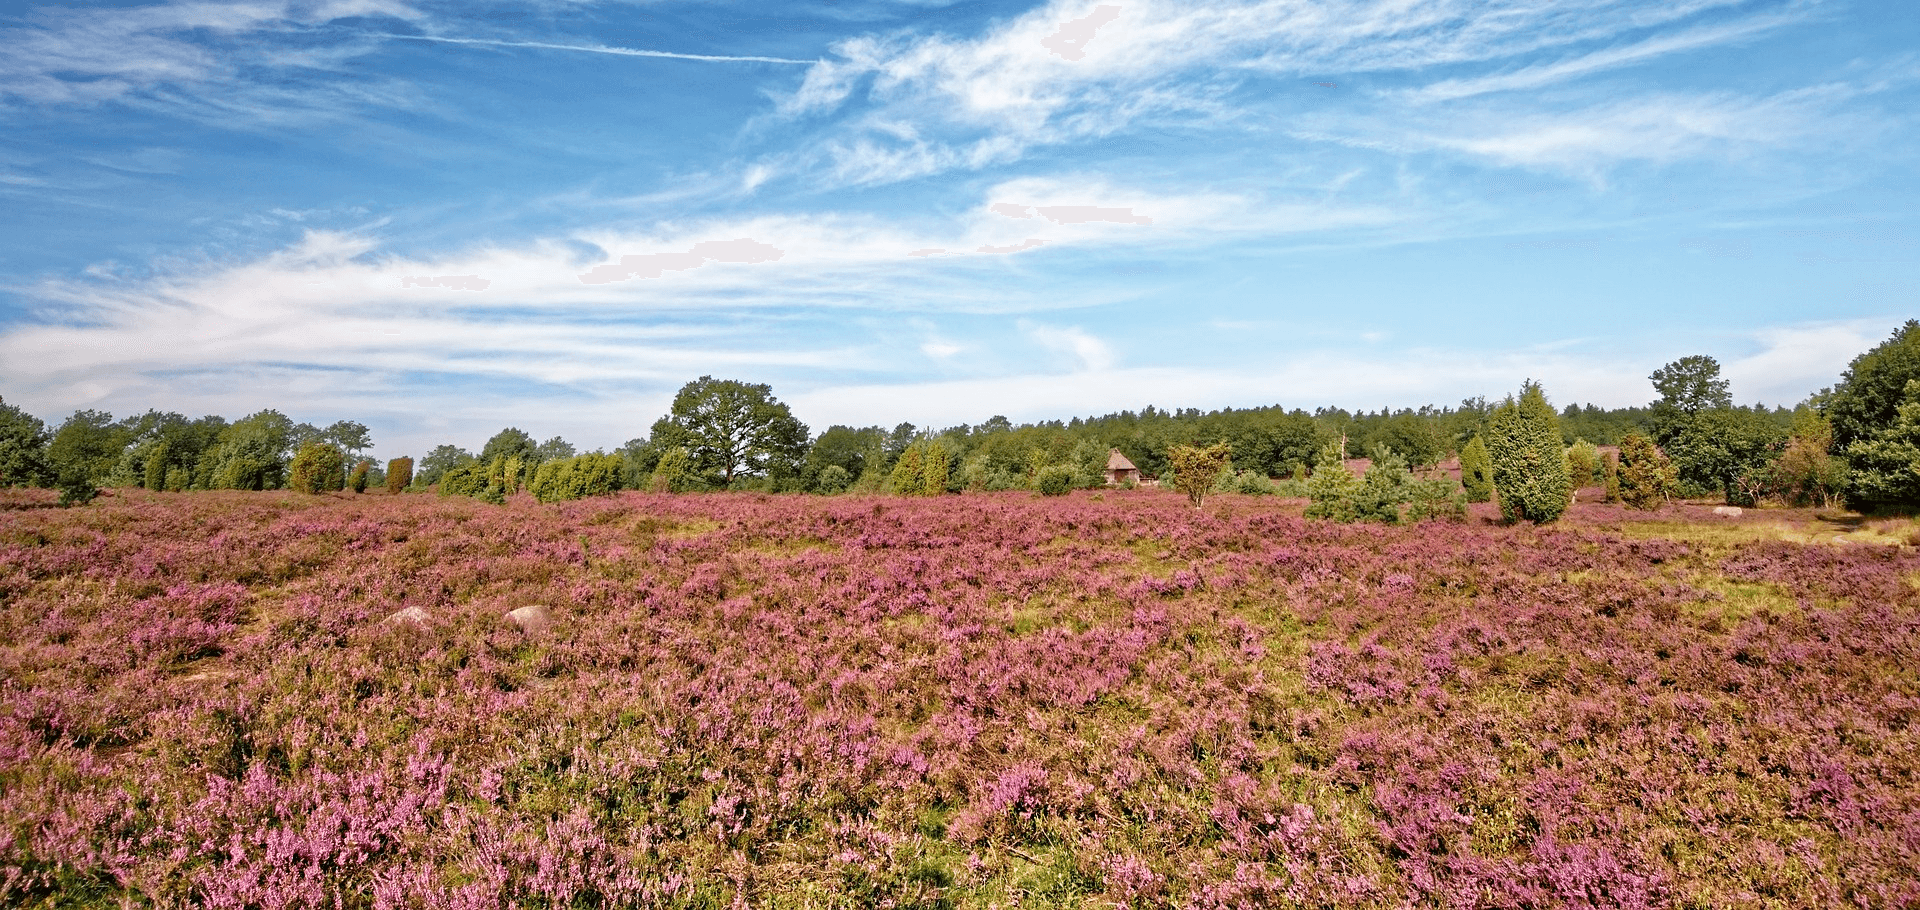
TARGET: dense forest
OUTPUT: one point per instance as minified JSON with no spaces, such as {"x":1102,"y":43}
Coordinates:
{"x":1855,"y":441}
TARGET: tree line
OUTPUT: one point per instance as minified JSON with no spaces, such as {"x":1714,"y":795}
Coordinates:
{"x":1857,"y":442}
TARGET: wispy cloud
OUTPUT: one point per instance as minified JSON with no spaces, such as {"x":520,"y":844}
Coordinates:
{"x":594,"y":49}
{"x":86,"y":56}
{"x":1542,"y":75}
{"x":923,"y":104}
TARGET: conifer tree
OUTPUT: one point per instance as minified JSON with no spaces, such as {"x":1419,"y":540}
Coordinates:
{"x":1332,"y":490}
{"x":1647,"y":478}
{"x":154,"y":477}
{"x":317,"y":468}
{"x":399,"y":474}
{"x":1476,"y":470}
{"x":1529,"y":465}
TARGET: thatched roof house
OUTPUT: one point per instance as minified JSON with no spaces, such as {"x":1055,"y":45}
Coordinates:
{"x":1120,"y":470}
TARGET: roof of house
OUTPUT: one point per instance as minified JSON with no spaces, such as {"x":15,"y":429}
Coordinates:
{"x":1119,"y":462}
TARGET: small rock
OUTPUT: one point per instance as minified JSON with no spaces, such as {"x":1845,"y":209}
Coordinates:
{"x":1727,"y":511}
{"x":532,"y":618}
{"x":413,"y":615}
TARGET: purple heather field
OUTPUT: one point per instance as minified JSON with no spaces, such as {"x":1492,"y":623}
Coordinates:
{"x":983,"y":700}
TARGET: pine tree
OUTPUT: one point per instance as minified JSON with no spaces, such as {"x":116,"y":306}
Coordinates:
{"x":1529,"y":465}
{"x":1333,"y":491}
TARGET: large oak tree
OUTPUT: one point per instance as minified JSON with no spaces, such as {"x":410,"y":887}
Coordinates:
{"x":733,"y":429}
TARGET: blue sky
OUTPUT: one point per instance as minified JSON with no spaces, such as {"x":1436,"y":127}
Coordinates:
{"x":442,"y":218}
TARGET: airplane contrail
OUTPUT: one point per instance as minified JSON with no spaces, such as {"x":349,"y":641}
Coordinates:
{"x":598,"y":49}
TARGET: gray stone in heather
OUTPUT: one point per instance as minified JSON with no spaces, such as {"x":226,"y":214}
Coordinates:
{"x":1727,"y":511}
{"x":532,"y":618}
{"x":410,"y":615}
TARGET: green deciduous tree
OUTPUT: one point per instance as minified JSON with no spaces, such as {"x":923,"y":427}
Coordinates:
{"x":507,"y":443}
{"x":23,"y":449}
{"x":438,"y":462}
{"x":1719,"y":448}
{"x":1646,"y":477}
{"x":1886,"y":461}
{"x":252,"y":453}
{"x":1529,"y":464}
{"x":733,"y":429}
{"x":88,"y":444}
{"x":1476,"y":470}
{"x":1873,"y":388}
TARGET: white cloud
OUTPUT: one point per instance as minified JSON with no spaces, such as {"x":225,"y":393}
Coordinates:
{"x":1793,"y":361}
{"x":1090,"y":353}
{"x":84,"y":56}
{"x":1586,"y":142}
{"x":974,"y":102}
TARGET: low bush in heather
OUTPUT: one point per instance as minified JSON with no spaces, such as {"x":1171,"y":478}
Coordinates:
{"x":255,"y":700}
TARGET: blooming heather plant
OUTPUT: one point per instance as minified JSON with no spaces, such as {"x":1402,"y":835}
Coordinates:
{"x":973,"y":701}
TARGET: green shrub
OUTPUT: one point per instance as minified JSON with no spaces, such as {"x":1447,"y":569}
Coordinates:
{"x":76,"y":486}
{"x":1196,"y":468}
{"x":357,"y":481}
{"x":1054,"y":480}
{"x":1647,"y":478}
{"x":1610,"y":476}
{"x":1476,"y":470}
{"x":673,"y":473}
{"x":1529,"y":465}
{"x":1435,"y":498}
{"x":464,"y":480}
{"x":178,"y":480}
{"x":317,"y":468}
{"x":833,"y":479}
{"x":399,"y":474}
{"x":592,"y":474}
{"x":1252,"y":483}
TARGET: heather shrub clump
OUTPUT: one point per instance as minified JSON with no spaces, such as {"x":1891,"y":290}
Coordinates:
{"x":238,"y":700}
